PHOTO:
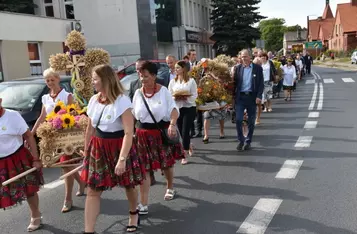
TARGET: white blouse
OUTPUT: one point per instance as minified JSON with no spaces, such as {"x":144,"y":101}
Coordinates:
{"x":49,"y":104}
{"x":110,"y":120}
{"x":12,"y":127}
{"x":189,"y":86}
{"x":161,"y":106}
{"x":266,"y":71}
{"x":289,"y":75}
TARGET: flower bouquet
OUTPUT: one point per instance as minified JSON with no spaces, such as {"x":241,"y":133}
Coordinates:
{"x":279,"y":74}
{"x":62,"y":133}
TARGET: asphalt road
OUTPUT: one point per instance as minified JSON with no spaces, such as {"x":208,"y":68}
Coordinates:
{"x":300,"y":176}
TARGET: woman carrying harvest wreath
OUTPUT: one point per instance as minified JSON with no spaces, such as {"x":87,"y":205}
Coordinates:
{"x":49,"y":101}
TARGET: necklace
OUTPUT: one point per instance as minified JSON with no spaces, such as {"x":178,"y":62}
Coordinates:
{"x":149,"y":96}
{"x":55,"y":95}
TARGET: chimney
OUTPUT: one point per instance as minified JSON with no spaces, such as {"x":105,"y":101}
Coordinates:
{"x":354,"y":2}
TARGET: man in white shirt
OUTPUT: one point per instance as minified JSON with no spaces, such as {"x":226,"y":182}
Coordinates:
{"x":171,"y":61}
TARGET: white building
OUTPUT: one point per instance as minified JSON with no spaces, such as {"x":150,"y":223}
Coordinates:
{"x":130,"y":29}
{"x":27,"y":41}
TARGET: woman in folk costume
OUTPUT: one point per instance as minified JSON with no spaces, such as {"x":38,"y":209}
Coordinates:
{"x":110,"y":159}
{"x":151,"y":144}
{"x":16,"y":159}
{"x":56,"y":94}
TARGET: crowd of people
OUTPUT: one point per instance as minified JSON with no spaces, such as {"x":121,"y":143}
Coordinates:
{"x":128,"y":138}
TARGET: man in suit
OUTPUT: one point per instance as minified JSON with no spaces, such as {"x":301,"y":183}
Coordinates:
{"x":163,"y":78}
{"x":248,"y":92}
{"x":308,"y":61}
{"x":192,"y":55}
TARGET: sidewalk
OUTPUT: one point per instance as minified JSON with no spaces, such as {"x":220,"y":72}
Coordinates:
{"x":336,"y":64}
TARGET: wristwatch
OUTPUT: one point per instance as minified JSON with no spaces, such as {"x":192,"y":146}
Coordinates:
{"x":121,"y":158}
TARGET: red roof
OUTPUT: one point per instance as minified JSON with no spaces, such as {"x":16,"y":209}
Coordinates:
{"x":326,"y":27}
{"x":314,"y":29}
{"x":348,"y":16}
{"x":327,"y":12}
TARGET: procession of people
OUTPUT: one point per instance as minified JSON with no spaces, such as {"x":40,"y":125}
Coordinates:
{"x":129,"y":138}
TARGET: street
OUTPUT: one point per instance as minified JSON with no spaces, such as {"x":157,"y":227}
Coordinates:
{"x":299,"y":177}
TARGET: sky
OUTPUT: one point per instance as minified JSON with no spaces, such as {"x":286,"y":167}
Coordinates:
{"x":296,"y":11}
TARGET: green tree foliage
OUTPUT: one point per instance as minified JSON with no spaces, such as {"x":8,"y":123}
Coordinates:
{"x":232,"y":22}
{"x":18,"y":6}
{"x":272,"y":32}
{"x":294,"y":28}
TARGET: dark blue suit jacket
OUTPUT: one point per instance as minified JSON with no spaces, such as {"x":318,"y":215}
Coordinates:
{"x":257,"y":81}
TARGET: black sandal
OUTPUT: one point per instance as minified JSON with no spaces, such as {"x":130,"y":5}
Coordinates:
{"x":135,"y":228}
{"x":205,"y":141}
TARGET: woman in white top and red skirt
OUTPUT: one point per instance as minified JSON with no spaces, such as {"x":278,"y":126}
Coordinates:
{"x":56,"y":94}
{"x":16,"y":159}
{"x":149,"y":140}
{"x":110,"y":157}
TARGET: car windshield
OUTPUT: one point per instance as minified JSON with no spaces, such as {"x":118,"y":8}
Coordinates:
{"x":20,"y":96}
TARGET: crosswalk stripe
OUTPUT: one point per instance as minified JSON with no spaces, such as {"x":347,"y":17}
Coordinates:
{"x":310,"y":82}
{"x":348,"y":80}
{"x":261,"y":215}
{"x":328,"y":81}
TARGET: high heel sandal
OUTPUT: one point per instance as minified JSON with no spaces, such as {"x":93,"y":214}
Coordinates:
{"x":133,"y":227}
{"x":32,"y":227}
{"x":205,"y":141}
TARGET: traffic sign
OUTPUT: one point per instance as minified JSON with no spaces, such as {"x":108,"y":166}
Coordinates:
{"x":313,"y":45}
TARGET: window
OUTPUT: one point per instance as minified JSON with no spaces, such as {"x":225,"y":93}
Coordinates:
{"x":69,"y":9}
{"x":35,"y":58}
{"x":49,"y":8}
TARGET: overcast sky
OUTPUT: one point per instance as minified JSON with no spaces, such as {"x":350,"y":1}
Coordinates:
{"x":295,"y":11}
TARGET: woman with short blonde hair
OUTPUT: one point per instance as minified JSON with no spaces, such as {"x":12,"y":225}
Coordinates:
{"x":110,"y":158}
{"x":57,"y":93}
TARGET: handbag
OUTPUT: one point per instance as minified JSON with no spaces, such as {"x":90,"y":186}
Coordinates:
{"x":166,"y":140}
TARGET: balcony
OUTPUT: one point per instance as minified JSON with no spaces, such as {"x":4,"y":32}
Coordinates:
{"x":22,"y":27}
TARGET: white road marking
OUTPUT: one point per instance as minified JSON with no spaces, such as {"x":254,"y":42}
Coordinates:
{"x":348,"y":80}
{"x":321,"y":98}
{"x":310,"y":82}
{"x":54,"y":184}
{"x":260,"y":216}
{"x":310,"y":124}
{"x":314,"y":114}
{"x":289,"y":169}
{"x":313,"y":99}
{"x":328,"y":81}
{"x":303,"y":142}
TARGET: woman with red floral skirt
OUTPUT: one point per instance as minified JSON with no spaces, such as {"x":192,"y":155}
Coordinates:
{"x":149,"y":140}
{"x":16,"y":159}
{"x":110,"y":158}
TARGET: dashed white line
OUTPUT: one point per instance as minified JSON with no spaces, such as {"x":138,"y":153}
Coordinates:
{"x":321,"y":97}
{"x":260,"y":217}
{"x":310,"y":124}
{"x":314,"y":114}
{"x":348,"y":80}
{"x":328,"y":81}
{"x":303,"y":142}
{"x":289,"y":169}
{"x":310,"y":82}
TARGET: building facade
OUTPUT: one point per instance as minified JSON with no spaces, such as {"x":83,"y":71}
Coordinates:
{"x":294,"y":39}
{"x":27,"y":41}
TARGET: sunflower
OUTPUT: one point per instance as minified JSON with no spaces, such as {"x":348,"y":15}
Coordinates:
{"x":50,"y":116}
{"x":71,"y":108}
{"x":68,"y":121}
{"x":59,"y":106}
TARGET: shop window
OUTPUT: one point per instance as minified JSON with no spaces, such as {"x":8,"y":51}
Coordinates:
{"x":48,"y":4}
{"x":69,"y":9}
{"x":35,"y":58}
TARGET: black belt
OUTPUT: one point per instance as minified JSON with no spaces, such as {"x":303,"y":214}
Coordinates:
{"x":246,"y":93}
{"x":109,"y":135}
{"x":162,"y":125}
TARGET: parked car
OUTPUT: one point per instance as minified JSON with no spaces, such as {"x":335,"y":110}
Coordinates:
{"x":354,"y":57}
{"x":24,"y":96}
{"x":131,"y":69}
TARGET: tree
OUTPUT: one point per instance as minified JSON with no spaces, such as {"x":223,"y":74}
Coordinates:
{"x":232,"y":22}
{"x":19,"y":6}
{"x":272,"y":32}
{"x":294,"y":28}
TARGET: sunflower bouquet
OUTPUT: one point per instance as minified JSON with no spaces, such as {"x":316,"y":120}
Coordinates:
{"x":277,"y":65}
{"x":65,"y":117}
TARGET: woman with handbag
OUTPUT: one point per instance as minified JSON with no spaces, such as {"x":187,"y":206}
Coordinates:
{"x":157,"y":138}
{"x":110,"y":158}
{"x":183,"y":84}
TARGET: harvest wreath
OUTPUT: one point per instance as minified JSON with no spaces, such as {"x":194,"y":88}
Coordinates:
{"x":62,"y":133}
